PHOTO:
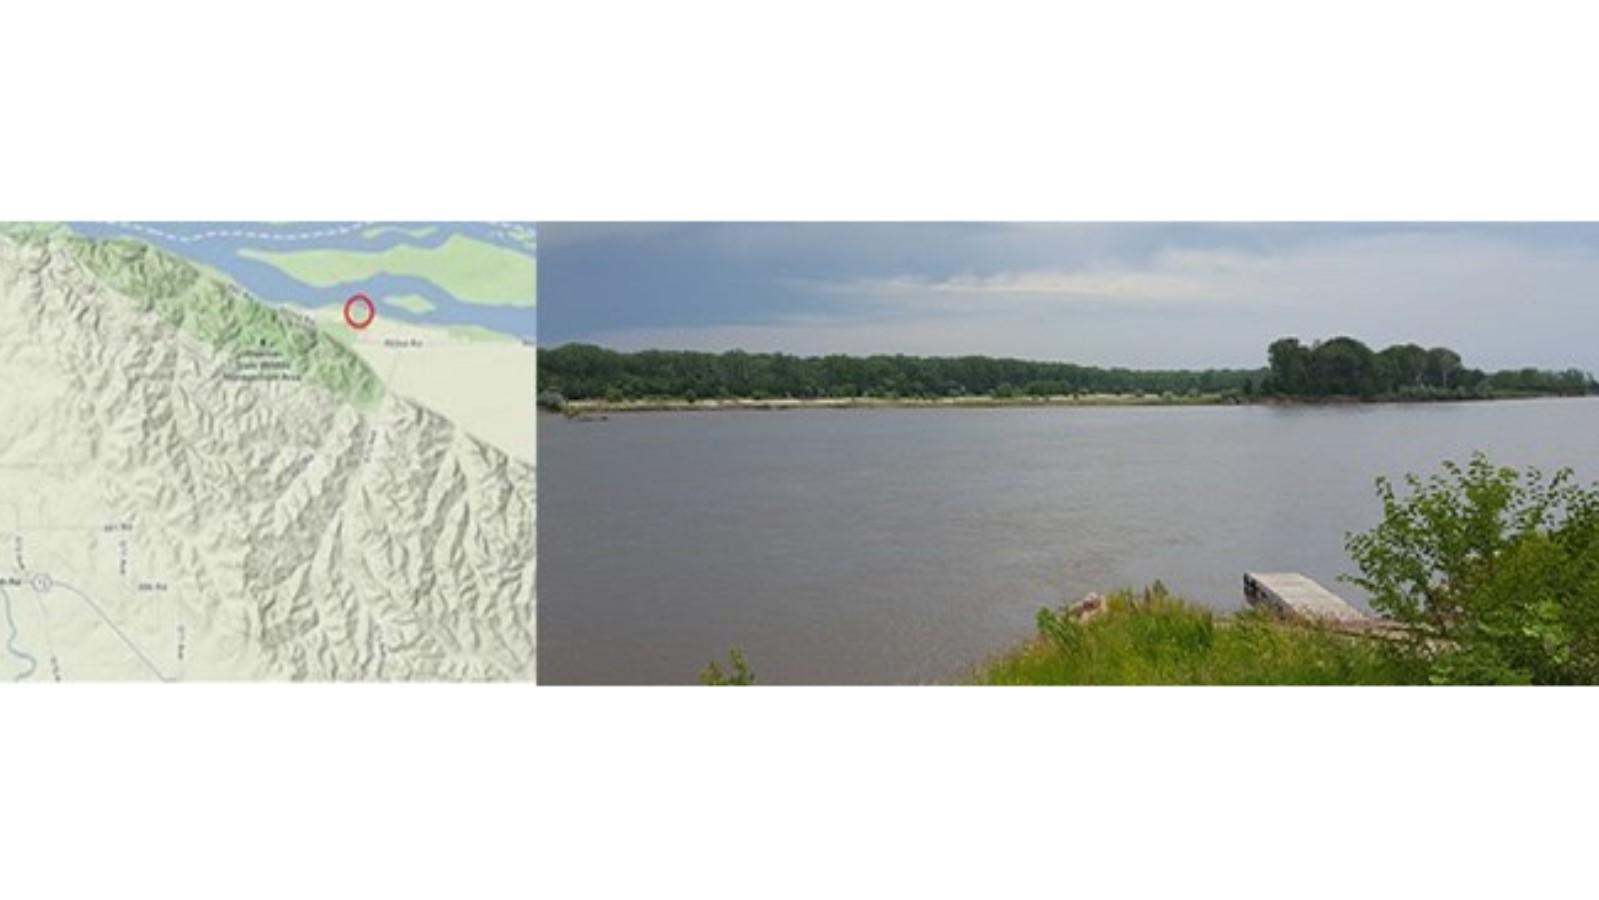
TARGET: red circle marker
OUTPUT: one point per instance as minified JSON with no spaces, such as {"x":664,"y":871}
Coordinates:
{"x":359,"y":320}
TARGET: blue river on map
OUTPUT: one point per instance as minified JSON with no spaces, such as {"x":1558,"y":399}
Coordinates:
{"x":201,"y":242}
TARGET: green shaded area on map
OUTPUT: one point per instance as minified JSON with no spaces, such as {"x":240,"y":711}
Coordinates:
{"x":470,"y":270}
{"x":412,"y":303}
{"x":224,"y":316}
{"x":419,"y":232}
{"x":32,"y":232}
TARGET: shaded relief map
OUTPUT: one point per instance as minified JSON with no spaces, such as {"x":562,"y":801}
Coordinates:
{"x":267,"y":452}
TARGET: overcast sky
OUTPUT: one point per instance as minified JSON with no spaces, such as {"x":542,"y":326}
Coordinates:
{"x":1145,"y":295}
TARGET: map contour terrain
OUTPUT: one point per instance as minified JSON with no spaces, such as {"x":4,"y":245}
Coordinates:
{"x":201,"y":483}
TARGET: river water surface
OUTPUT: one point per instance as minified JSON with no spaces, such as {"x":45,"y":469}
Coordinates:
{"x":906,"y":545}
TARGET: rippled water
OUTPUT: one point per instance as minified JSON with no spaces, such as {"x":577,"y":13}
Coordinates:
{"x":891,"y":546}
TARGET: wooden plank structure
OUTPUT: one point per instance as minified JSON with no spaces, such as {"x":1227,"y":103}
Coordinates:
{"x":1294,"y":596}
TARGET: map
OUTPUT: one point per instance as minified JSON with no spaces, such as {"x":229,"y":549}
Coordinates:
{"x":276,"y":451}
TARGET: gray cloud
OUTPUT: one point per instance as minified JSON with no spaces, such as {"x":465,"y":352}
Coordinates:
{"x":1132,"y":294}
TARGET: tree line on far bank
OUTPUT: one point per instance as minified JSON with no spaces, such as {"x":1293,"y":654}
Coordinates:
{"x":587,"y":372}
{"x":1345,"y":367}
{"x":1339,"y":367}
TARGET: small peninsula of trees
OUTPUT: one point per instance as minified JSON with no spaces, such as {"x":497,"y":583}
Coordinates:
{"x":1341,"y":367}
{"x":1345,"y":367}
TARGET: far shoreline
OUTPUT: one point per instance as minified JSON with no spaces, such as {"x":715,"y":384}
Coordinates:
{"x":579,"y":409}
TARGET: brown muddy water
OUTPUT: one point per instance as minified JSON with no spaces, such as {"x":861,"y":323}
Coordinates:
{"x":905,"y":546}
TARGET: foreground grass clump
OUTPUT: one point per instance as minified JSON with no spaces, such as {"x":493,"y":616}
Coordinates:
{"x":1155,"y":638}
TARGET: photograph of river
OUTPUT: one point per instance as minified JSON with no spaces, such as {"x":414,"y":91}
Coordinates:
{"x":892,"y":546}
{"x":919,"y":436}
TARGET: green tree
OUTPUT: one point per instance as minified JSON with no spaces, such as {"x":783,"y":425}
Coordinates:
{"x":585,"y":372}
{"x":1343,"y":366}
{"x":1442,"y":366}
{"x":1495,"y":573}
{"x":1289,"y":365}
{"x":1405,"y":365}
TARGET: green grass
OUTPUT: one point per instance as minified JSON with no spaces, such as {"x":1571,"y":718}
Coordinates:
{"x":1154,"y":638}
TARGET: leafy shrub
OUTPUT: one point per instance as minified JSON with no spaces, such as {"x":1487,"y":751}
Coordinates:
{"x":737,"y":674}
{"x":1495,"y":572}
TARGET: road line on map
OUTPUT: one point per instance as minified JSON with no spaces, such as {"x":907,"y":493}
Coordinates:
{"x":107,"y":619}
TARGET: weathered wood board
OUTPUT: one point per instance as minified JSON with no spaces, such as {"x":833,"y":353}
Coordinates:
{"x":1294,"y":596}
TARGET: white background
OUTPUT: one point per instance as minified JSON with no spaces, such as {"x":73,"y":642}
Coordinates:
{"x":817,"y":110}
